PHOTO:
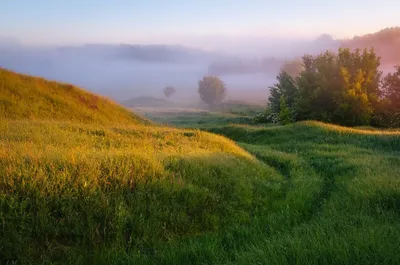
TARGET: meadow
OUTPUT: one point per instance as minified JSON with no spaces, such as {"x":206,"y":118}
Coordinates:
{"x":94,"y":190}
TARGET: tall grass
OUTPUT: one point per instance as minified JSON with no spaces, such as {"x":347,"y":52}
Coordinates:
{"x":308,"y":194}
{"x":68,"y":190}
{"x":102,"y":186}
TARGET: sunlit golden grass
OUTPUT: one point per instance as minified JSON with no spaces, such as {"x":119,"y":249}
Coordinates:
{"x":342,"y":129}
{"x":34,"y":98}
{"x":102,"y":186}
{"x":94,"y":185}
{"x":74,"y":142}
{"x":79,"y":172}
{"x":325,"y":126}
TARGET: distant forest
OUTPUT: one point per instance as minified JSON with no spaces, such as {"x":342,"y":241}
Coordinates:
{"x":344,"y":87}
{"x":385,"y":42}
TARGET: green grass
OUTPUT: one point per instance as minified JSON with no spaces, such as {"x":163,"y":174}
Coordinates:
{"x":75,"y":192}
{"x":241,"y":108}
{"x":230,"y":112}
{"x":196,"y":119}
{"x":69,"y":188}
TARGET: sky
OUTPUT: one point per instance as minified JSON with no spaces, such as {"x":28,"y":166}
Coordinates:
{"x":185,"y":21}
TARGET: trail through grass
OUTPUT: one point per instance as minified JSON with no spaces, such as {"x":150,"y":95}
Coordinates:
{"x":311,"y":194}
{"x":70,"y":190}
{"x":95,"y":184}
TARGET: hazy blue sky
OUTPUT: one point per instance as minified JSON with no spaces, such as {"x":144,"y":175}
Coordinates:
{"x":114,"y":21}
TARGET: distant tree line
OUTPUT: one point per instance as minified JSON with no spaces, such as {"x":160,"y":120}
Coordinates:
{"x":240,"y":66}
{"x":385,"y":42}
{"x":344,"y":88}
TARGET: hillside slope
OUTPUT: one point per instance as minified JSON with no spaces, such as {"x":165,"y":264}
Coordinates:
{"x":81,"y":181}
{"x":34,"y":98}
{"x":339,"y":203}
{"x":307,"y":193}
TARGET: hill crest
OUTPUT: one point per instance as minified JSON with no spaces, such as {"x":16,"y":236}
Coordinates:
{"x":35,"y":98}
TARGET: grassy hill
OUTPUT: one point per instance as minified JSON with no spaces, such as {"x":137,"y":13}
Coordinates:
{"x":342,"y":200}
{"x":112,"y":193}
{"x":34,"y":98}
{"x":339,"y":203}
{"x":77,"y":185}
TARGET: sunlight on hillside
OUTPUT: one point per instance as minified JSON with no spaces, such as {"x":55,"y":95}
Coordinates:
{"x":86,"y":181}
{"x":342,"y":129}
{"x":34,"y":98}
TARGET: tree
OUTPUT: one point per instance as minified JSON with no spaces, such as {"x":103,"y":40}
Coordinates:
{"x":169,"y":91}
{"x":388,"y":110}
{"x":212,"y":90}
{"x":340,"y":87}
{"x":391,"y":89}
{"x":355,"y":106}
{"x":285,"y":88}
{"x":345,"y":88}
{"x":285,"y":115}
{"x":307,"y":87}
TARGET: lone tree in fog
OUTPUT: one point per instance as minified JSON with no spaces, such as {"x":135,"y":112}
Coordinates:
{"x":212,"y":90}
{"x":169,"y":91}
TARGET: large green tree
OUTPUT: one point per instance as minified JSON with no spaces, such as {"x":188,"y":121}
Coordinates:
{"x":341,"y":87}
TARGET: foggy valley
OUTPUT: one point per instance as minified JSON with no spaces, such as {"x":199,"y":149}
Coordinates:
{"x":123,"y":71}
{"x":128,"y":71}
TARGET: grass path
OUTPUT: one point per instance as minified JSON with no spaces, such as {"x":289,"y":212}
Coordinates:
{"x":339,"y":201}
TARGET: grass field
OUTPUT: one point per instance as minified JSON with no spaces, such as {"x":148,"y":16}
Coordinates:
{"x":229,"y":113}
{"x":94,"y":192}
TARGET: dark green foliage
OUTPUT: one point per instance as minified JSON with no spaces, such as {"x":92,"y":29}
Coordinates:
{"x":285,"y":90}
{"x":212,"y":90}
{"x":266,"y":117}
{"x":342,"y":88}
{"x":391,"y":89}
{"x":388,"y":109}
{"x":284,"y":112}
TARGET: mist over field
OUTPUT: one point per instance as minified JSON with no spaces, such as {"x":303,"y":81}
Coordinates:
{"x":122,"y":71}
{"x":248,"y":66}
